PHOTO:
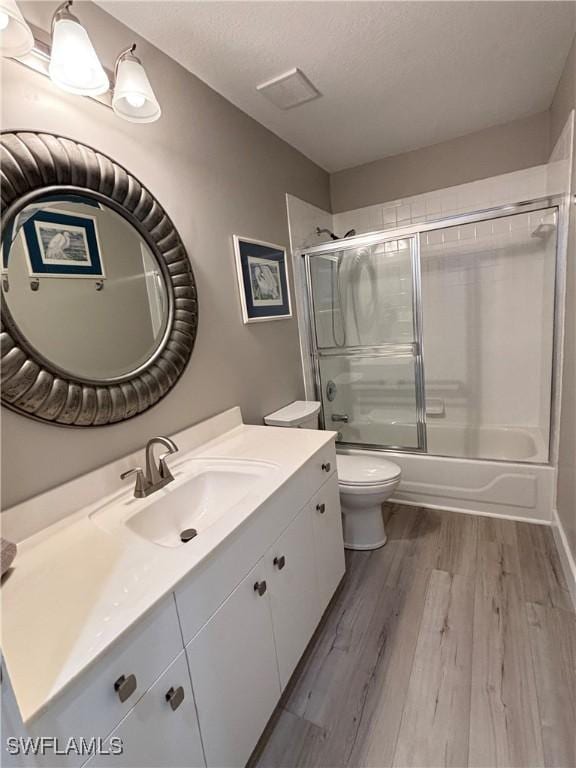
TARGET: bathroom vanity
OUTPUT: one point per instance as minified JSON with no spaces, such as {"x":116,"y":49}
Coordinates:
{"x":115,"y":628}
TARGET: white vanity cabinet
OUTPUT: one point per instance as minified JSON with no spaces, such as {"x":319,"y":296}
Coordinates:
{"x":234,"y":672}
{"x":161,"y":730}
{"x":328,"y":540}
{"x":243,"y":658}
{"x":194,"y":681}
{"x":294,"y":597}
{"x":94,"y":703}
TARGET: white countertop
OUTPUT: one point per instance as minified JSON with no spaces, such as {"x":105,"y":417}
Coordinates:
{"x":76,"y":588}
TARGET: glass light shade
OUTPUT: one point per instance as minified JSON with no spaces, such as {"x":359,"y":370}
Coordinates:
{"x":16,"y":37}
{"x":74,"y":65}
{"x":133,"y":97}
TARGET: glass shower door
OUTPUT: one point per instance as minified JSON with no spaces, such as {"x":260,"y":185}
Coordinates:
{"x":488,"y":296}
{"x":366,"y":342}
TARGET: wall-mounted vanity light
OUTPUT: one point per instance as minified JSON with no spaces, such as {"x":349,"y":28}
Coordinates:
{"x":16,"y":38}
{"x":133,"y":97}
{"x":72,"y":63}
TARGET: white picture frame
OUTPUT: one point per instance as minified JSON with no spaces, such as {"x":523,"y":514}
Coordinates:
{"x":263,"y":280}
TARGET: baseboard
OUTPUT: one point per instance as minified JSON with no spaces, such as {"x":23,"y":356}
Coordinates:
{"x":566,"y":556}
{"x":480,"y":513}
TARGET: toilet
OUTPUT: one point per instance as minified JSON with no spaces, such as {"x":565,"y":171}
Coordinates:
{"x":365,"y":480}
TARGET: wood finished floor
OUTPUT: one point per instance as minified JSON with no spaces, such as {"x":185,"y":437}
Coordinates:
{"x":453,"y":645}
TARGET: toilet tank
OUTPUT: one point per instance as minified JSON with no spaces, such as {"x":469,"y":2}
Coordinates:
{"x":302,"y":414}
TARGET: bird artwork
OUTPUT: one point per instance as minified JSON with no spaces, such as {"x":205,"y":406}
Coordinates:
{"x":57,"y":246}
{"x":265,"y":282}
{"x":62,"y":245}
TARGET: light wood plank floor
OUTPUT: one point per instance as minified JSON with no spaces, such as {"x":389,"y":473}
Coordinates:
{"x":453,"y":645}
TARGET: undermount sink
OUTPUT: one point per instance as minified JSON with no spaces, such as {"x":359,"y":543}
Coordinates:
{"x":204,"y":490}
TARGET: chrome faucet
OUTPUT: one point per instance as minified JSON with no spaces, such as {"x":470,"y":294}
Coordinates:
{"x":157,"y":475}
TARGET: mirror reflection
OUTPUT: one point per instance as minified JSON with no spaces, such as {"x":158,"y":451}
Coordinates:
{"x":83,"y":287}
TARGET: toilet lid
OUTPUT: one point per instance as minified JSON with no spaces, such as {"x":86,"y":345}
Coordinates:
{"x":360,"y":469}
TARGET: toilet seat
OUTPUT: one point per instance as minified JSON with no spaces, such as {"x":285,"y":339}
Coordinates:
{"x":356,"y":470}
{"x":369,"y":491}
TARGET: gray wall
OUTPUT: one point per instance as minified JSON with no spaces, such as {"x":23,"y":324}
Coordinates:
{"x":564,"y":101}
{"x":500,"y":149}
{"x":217,"y":172}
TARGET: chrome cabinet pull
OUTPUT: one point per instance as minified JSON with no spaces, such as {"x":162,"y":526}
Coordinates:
{"x":321,"y":508}
{"x":175,"y":697}
{"x":280,"y":562}
{"x":125,"y":687}
{"x":260,"y":587}
{"x":326,"y":467}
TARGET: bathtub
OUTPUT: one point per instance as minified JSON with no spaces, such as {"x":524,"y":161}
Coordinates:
{"x":486,"y":442}
{"x":456,"y":440}
{"x":522,"y":488}
{"x":515,"y":490}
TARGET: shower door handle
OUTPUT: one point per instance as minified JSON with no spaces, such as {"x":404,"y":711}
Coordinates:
{"x":340,"y":417}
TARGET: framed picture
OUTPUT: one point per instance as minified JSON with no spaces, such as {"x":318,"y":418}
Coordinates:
{"x":62,"y":244}
{"x":262,"y":279}
{"x":12,"y":228}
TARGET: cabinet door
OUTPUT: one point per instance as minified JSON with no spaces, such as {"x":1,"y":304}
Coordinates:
{"x":293,"y":592}
{"x":328,"y":540}
{"x":91,"y":706}
{"x":161,"y":731}
{"x":235,"y":674}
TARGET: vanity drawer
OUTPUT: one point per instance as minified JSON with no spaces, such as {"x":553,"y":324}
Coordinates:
{"x":317,"y":471}
{"x":321,"y":466}
{"x":328,"y":540}
{"x":91,"y":706}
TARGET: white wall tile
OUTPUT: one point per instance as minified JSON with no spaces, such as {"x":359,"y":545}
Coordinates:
{"x":404,"y":215}
{"x":474,"y":196}
{"x":389,"y":216}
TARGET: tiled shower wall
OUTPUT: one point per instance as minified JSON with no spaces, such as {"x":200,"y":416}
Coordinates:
{"x":500,"y":190}
{"x":487,"y":193}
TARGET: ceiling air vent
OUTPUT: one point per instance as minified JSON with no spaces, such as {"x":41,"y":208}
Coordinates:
{"x":289,"y":90}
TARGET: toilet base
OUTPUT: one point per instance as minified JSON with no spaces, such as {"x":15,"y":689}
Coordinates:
{"x":364,"y":547}
{"x":363,"y":527}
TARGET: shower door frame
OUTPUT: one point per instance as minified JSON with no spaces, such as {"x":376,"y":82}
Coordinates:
{"x":310,"y":357}
{"x":412,"y":349}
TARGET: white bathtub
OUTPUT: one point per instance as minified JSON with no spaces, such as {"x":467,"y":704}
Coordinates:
{"x":522,"y":489}
{"x":486,"y":442}
{"x":519,"y":491}
{"x":455,"y":440}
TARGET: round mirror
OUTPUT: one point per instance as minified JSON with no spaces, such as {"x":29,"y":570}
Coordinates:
{"x":99,"y":304}
{"x":83,"y":287}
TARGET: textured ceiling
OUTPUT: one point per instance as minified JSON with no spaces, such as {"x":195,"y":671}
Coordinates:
{"x":394,"y":75}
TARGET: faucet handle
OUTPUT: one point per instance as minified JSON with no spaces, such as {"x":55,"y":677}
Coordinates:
{"x":165,"y":473}
{"x":135,"y":470}
{"x":141,"y":482}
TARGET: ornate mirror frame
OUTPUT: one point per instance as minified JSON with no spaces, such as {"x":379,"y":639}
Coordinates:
{"x":41,"y":163}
